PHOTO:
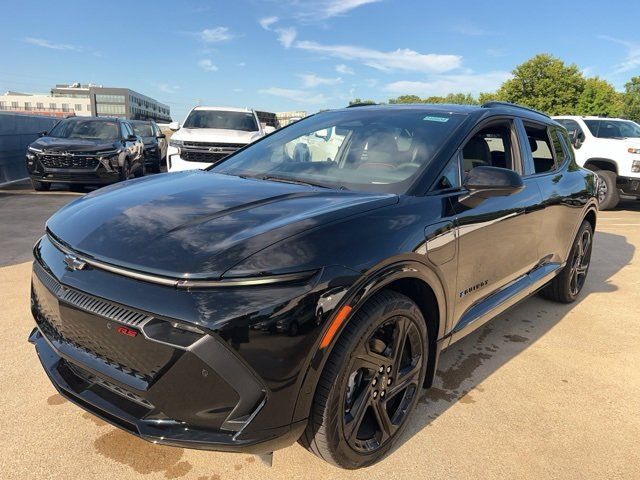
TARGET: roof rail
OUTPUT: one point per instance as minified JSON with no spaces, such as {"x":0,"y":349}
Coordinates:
{"x":512,"y":105}
{"x":361,"y":104}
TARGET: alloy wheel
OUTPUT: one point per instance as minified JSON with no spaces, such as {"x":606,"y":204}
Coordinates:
{"x":384,"y":379}
{"x":603,"y":190}
{"x":580,"y":263}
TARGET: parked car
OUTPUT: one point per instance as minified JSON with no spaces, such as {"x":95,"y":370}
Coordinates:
{"x":308,"y":300}
{"x":610,"y":147}
{"x":209,"y":134}
{"x":155,"y":143}
{"x":85,"y":151}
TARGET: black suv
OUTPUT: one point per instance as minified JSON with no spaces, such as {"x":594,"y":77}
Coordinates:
{"x":155,"y":143}
{"x":85,"y":151}
{"x":278,"y":297}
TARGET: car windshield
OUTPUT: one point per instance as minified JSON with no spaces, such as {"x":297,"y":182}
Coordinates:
{"x":613,"y":128}
{"x":86,"y":129}
{"x":244,"y":121}
{"x":365,"y":149}
{"x":142,"y":129}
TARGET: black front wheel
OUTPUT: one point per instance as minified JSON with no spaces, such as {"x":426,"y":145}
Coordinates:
{"x":370,"y":384}
{"x":40,"y":186}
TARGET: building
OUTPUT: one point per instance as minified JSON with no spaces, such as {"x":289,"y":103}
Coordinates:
{"x":284,"y":118}
{"x":42,"y":104}
{"x":77,"y":99}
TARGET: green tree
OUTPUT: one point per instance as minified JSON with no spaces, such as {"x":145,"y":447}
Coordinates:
{"x":355,"y":101}
{"x":406,"y":99}
{"x":545,"y":83}
{"x":456,"y":98}
{"x":600,"y":98}
{"x":485,"y":97}
{"x":631,"y":100}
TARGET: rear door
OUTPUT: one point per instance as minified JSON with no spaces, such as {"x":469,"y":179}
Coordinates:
{"x":497,"y":238}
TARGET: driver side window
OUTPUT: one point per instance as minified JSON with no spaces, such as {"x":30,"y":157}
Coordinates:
{"x":490,"y":147}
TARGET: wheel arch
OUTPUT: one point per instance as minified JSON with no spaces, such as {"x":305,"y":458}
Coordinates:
{"x":597,"y":163}
{"x":413,"y":279}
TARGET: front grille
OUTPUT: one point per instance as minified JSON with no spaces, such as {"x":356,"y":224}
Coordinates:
{"x":224,"y":146}
{"x":64,"y":161}
{"x":204,"y":157}
{"x":92,"y":304}
{"x":91,"y":378}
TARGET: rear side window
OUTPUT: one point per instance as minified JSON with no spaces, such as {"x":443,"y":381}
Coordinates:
{"x":558,"y":151}
{"x":541,"y":148}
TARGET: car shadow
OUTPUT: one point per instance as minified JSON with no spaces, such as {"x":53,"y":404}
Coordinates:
{"x":470,"y":361}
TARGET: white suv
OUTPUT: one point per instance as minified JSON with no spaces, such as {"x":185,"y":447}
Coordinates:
{"x":209,"y":134}
{"x":610,"y":146}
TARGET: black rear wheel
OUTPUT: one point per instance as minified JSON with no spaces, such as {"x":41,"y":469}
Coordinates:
{"x":567,"y":285}
{"x":370,"y":384}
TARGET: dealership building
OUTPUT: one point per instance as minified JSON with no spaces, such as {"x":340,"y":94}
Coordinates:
{"x":87,"y":100}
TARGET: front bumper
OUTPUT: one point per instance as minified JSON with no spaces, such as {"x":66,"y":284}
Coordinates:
{"x":98,"y":175}
{"x":629,"y":185}
{"x":233,"y":387}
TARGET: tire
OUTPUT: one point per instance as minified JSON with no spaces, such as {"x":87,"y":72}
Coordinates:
{"x":566,"y":287}
{"x":608,"y":194}
{"x":358,"y":391}
{"x":40,"y":186}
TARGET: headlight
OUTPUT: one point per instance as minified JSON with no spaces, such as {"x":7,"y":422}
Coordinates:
{"x":635,"y":166}
{"x":109,"y":156}
{"x":176,"y":143}
{"x":633,"y":150}
{"x":34,"y":150}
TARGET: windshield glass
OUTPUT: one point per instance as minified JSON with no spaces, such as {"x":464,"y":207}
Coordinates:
{"x":142,"y":129}
{"x":613,"y":128}
{"x":86,"y":129}
{"x":244,"y":121}
{"x":359,"y":149}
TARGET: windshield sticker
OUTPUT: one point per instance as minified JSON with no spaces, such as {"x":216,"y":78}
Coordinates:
{"x":436,"y":119}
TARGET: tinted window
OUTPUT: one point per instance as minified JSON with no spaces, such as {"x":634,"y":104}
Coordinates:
{"x":541,"y":148}
{"x":558,"y":150}
{"x":613,"y":128}
{"x":450,"y":178}
{"x":89,"y":129}
{"x":359,"y":148}
{"x":490,"y":146}
{"x":244,"y":121}
{"x":143,"y":129}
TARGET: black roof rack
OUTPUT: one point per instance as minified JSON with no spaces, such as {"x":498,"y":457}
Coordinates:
{"x":512,"y":105}
{"x":361,"y":104}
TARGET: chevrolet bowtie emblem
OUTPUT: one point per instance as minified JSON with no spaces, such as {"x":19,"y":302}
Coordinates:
{"x":73,"y":263}
{"x":215,"y":149}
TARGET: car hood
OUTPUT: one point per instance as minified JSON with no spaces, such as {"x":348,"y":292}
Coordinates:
{"x":215,"y":135}
{"x":197,"y":224}
{"x":51,"y":144}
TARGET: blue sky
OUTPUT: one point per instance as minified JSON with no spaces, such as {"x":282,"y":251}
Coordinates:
{"x":289,"y":55}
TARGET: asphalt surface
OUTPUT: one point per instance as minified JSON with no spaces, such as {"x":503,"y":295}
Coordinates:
{"x":543,"y":391}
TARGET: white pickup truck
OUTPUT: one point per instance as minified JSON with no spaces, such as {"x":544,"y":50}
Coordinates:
{"x":209,"y":134}
{"x":610,"y":147}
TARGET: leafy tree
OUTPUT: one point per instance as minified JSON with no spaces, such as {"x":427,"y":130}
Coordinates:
{"x":600,"y":98}
{"x":631,"y":99}
{"x":355,"y":101}
{"x":406,"y":99}
{"x":485,"y":97}
{"x":457,"y":98}
{"x":545,"y":83}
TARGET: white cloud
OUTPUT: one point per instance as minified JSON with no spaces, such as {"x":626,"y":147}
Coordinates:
{"x":445,"y":84}
{"x":310,"y":80}
{"x":464,"y":27}
{"x":632,"y":59}
{"x":266,"y":22}
{"x":400,"y":59}
{"x":344,"y":70}
{"x":167,"y":88}
{"x":237,"y":89}
{"x":296,"y":96}
{"x":286,"y":36}
{"x":324,"y":9}
{"x":207,"y":65}
{"x":40,"y":42}
{"x":216,"y":34}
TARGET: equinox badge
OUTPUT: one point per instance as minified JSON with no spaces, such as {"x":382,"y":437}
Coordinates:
{"x":73,"y":263}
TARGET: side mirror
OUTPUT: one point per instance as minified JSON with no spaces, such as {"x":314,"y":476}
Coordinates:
{"x":161,"y":135}
{"x":42,"y":133}
{"x":485,"y":182}
{"x":175,"y":126}
{"x":132,"y":138}
{"x":323,"y":134}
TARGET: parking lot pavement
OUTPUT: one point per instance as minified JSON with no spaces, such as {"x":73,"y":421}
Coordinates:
{"x":543,"y":391}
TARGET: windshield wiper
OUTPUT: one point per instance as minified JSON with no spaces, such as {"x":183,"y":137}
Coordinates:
{"x":292,"y":180}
